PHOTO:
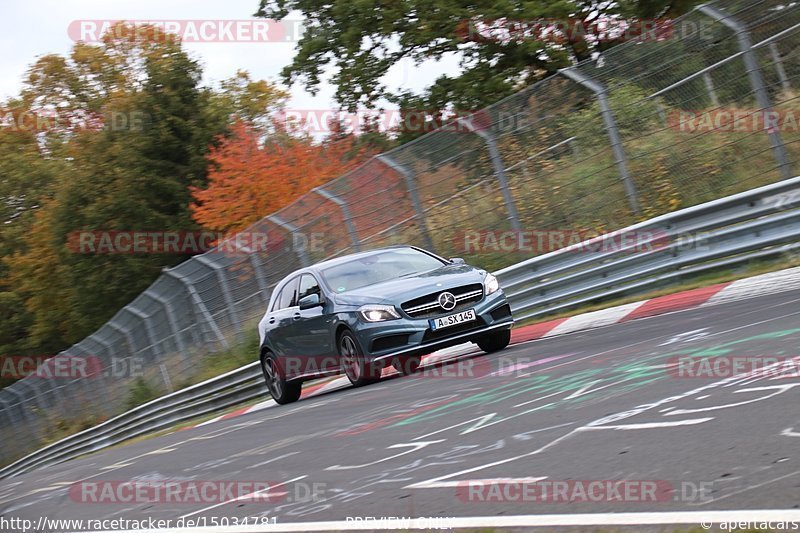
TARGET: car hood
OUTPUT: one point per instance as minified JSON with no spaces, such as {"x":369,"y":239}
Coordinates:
{"x":398,"y":290}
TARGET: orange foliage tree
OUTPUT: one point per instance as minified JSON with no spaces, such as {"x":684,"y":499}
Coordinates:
{"x":249,"y":178}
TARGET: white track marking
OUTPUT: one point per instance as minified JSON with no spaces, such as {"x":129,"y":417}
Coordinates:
{"x":542,"y":397}
{"x":488,"y":481}
{"x":653,"y":425}
{"x":415,"y":446}
{"x":478,"y":421}
{"x":768,"y":283}
{"x":427,"y":482}
{"x":268,"y":461}
{"x":687,"y":336}
{"x":244,"y":497}
{"x":595,"y":319}
{"x":779,"y":389}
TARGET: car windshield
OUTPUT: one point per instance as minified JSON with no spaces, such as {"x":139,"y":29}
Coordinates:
{"x":378,"y":267}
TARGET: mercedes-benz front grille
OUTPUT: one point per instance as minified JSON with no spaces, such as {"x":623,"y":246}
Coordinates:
{"x":428,"y":306}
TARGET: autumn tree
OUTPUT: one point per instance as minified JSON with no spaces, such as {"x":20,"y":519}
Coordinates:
{"x":250,"y":177}
{"x":135,"y":128}
{"x":27,"y":181}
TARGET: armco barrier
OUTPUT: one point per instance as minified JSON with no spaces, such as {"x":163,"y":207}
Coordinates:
{"x":753,"y":224}
{"x":738,"y":228}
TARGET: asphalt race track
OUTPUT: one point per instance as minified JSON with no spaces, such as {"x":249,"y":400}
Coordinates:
{"x":604,"y":405}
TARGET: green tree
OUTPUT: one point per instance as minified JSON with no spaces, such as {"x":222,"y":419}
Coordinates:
{"x":133,"y":131}
{"x":27,"y":180}
{"x":363,"y":40}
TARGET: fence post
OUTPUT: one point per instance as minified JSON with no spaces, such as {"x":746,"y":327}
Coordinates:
{"x":105,"y":344}
{"x":125,"y":333}
{"x":173,"y":322}
{"x":110,"y":352}
{"x":34,"y":393}
{"x":776,"y":58}
{"x":20,"y":401}
{"x":611,"y":129}
{"x":24,"y":419}
{"x":301,"y":252}
{"x":93,"y":385}
{"x":9,"y":428}
{"x":198,"y":302}
{"x":712,"y":93}
{"x":499,"y":169}
{"x":226,"y":290}
{"x":258,"y":272}
{"x":6,"y":411}
{"x":408,"y":177}
{"x":148,"y":327}
{"x":756,"y":81}
{"x":348,"y":219}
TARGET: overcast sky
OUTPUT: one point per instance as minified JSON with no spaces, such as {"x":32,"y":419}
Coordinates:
{"x":35,"y":28}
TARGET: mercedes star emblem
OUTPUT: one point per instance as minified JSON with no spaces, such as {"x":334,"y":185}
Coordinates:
{"x":447,"y":301}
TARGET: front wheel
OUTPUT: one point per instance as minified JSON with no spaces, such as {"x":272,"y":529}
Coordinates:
{"x":494,"y":342}
{"x":282,"y":391}
{"x":356,"y":367}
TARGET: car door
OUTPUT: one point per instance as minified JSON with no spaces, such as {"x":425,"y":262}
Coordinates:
{"x":280,"y":319}
{"x":310,"y":330}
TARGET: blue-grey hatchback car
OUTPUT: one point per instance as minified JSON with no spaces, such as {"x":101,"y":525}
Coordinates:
{"x":359,"y":313}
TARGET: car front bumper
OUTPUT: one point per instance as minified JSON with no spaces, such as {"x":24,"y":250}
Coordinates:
{"x":407,"y":336}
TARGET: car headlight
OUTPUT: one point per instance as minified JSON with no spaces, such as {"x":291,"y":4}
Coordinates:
{"x":490,"y":284}
{"x":378,"y":313}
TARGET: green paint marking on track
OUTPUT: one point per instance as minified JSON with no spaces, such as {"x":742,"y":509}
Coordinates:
{"x":621,"y":379}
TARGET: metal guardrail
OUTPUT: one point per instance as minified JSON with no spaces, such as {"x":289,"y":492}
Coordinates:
{"x":753,"y":224}
{"x":229,"y":389}
{"x":738,"y":228}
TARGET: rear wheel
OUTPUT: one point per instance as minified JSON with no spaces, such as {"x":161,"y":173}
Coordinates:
{"x":356,"y":367}
{"x":494,"y":342}
{"x":407,"y":365}
{"x":282,"y":391}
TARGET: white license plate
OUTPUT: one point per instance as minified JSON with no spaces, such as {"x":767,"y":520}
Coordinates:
{"x":452,"y":320}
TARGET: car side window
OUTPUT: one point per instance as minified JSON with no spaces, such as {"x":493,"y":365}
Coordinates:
{"x":308,"y":285}
{"x":276,"y":304}
{"x":288,"y":296}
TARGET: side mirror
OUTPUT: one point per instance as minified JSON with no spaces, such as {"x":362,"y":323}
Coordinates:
{"x":307,"y":302}
{"x":457,"y":261}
